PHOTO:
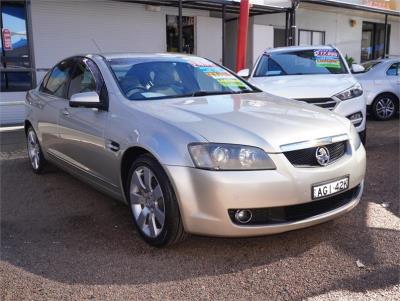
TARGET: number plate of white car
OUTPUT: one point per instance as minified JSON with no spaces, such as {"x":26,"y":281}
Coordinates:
{"x":329,"y":188}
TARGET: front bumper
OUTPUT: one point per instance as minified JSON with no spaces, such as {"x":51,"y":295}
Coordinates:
{"x":206,"y":196}
{"x":351,"y":106}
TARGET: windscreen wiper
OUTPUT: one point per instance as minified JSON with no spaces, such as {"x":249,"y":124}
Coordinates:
{"x":205,"y":93}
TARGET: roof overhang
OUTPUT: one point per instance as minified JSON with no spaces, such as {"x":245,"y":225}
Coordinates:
{"x":231,"y":6}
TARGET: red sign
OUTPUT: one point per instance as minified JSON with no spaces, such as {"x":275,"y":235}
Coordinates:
{"x":7,"y":45}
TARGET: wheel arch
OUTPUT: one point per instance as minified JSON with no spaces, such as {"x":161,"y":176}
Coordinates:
{"x":387,"y":93}
{"x":130,"y":155}
{"x":27,"y":124}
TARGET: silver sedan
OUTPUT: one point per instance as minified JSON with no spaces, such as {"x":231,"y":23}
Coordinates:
{"x":191,"y":147}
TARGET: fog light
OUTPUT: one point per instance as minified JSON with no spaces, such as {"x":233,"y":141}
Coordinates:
{"x":356,"y":118}
{"x":243,"y":216}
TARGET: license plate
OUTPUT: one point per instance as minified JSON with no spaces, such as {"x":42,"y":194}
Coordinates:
{"x":329,"y":188}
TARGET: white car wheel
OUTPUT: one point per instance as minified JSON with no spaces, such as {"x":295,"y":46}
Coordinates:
{"x":384,"y":107}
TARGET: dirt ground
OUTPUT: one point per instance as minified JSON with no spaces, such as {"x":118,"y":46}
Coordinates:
{"x":62,"y":240}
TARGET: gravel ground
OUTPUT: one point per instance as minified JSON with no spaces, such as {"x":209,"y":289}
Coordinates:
{"x":62,"y":240}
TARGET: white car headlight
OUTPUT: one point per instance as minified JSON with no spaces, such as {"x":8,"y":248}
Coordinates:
{"x":354,"y":137}
{"x":351,"y":92}
{"x":217,"y":156}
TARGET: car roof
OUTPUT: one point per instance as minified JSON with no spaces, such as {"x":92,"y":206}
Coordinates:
{"x":297,"y":48}
{"x":389,"y":60}
{"x":109,"y":56}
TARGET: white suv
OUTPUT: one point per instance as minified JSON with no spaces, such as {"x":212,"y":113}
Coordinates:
{"x":314,"y":74}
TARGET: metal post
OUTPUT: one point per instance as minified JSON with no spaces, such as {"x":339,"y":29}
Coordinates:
{"x":180,"y":35}
{"x":385,"y":39}
{"x":293,"y":26}
{"x":286,"y":27}
{"x":223,"y":33}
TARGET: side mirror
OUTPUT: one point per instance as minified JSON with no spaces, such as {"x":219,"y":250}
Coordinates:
{"x":244,"y":73}
{"x":356,"y":68}
{"x":86,"y":100}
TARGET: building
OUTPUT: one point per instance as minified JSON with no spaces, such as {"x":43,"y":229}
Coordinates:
{"x":38,"y":33}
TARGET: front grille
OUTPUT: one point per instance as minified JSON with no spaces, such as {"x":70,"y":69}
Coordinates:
{"x":327,"y":103}
{"x":306,"y":157}
{"x":294,"y":213}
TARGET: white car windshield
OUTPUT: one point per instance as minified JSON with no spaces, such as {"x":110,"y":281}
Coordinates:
{"x":370,"y":65}
{"x":150,"y":78}
{"x":300,"y":62}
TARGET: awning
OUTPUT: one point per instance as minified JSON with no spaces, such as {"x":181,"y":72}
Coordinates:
{"x":231,"y":7}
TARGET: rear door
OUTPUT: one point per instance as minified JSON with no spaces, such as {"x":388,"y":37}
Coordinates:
{"x":52,"y":96}
{"x":82,"y":129}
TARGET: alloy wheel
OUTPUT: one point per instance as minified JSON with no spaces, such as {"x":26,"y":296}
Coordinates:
{"x":33,"y":149}
{"x":385,"y":108}
{"x":147,"y":201}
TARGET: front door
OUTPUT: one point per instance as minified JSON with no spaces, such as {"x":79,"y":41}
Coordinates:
{"x":81,"y":129}
{"x":393,"y":75}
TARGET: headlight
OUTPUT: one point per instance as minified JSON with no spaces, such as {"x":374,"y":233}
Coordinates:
{"x":217,"y":156}
{"x":355,"y":137}
{"x":352,"y":92}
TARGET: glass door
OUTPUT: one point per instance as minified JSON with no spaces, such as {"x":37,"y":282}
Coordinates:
{"x":373,"y":39}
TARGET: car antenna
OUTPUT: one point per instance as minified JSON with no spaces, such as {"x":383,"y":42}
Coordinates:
{"x":97,"y":46}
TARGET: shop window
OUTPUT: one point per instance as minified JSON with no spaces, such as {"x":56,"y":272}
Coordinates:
{"x":15,"y":55}
{"x":311,"y":37}
{"x":279,"y":37}
{"x":187,"y":34}
{"x":373,"y":39}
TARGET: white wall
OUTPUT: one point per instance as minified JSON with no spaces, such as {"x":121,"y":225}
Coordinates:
{"x":12,"y":108}
{"x":394,"y":48}
{"x":209,"y":38}
{"x":263,"y":37}
{"x":64,"y":28}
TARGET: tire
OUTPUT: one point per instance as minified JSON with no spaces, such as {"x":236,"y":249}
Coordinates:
{"x":384,"y":107}
{"x":363,"y":136}
{"x":152,"y":202}
{"x":35,"y":153}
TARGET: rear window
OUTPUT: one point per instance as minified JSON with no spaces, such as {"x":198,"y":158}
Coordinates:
{"x":301,"y":62}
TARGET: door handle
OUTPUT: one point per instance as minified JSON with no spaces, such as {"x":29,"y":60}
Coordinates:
{"x":65,"y":112}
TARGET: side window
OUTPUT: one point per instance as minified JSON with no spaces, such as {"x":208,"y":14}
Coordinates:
{"x":58,"y":80}
{"x":84,"y":78}
{"x":393,"y":70}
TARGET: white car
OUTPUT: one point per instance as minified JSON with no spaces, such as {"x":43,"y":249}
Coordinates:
{"x":315,"y":74}
{"x":381,"y":84}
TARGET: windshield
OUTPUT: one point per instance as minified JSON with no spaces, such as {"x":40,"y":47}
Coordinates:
{"x":369,"y":65}
{"x":301,"y":62}
{"x":149,"y":78}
